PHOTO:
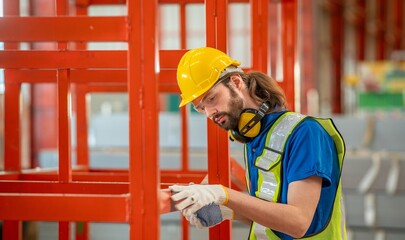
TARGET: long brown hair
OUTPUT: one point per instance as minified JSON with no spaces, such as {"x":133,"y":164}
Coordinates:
{"x":262,"y":88}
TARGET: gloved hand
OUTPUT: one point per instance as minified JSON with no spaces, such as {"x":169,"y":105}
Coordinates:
{"x":193,"y":220}
{"x":210,"y":215}
{"x":197,"y":196}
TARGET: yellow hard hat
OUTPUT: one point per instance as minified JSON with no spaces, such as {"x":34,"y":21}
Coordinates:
{"x":199,"y":69}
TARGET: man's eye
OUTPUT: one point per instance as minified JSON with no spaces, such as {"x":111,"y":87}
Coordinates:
{"x":211,"y":99}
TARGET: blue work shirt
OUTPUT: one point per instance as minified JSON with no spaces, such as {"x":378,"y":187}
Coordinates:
{"x":309,"y":151}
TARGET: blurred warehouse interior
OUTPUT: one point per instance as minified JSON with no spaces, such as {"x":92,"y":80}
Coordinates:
{"x":350,"y":66}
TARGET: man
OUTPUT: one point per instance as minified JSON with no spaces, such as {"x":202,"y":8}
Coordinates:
{"x":293,"y":162}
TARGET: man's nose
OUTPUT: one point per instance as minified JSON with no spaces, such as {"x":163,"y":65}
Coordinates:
{"x":210,"y":112}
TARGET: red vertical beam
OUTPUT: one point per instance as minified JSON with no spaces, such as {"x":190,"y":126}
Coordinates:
{"x":43,"y":96}
{"x":12,"y":143}
{"x":144,"y":216}
{"x":381,"y":29}
{"x":12,"y":134}
{"x":183,"y":26}
{"x":63,"y":90}
{"x":259,"y":34}
{"x":151,"y":123}
{"x":360,"y":26}
{"x":12,"y":157}
{"x":12,"y":147}
{"x":12,"y":230}
{"x":136,"y":143}
{"x":337,"y":36}
{"x":398,"y":24}
{"x":218,"y":144}
{"x":289,"y":40}
{"x":307,"y":50}
{"x":64,"y":230}
{"x":82,"y":148}
{"x":273,"y":38}
{"x":185,"y":112}
{"x":82,"y":229}
{"x":63,"y":116}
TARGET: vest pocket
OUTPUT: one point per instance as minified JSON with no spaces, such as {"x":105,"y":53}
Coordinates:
{"x":268,"y":160}
{"x":268,"y":175}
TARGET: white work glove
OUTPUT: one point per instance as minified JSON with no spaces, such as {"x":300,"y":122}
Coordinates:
{"x":209,"y":216}
{"x":196,"y":196}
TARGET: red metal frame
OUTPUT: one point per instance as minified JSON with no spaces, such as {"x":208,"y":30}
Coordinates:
{"x":337,"y":34}
{"x":12,"y":229}
{"x":80,"y":193}
{"x":306,"y":53}
{"x":360,"y":24}
{"x":260,"y":26}
{"x":381,"y":29}
{"x":216,"y":27}
{"x":397,"y":7}
{"x":289,"y":49}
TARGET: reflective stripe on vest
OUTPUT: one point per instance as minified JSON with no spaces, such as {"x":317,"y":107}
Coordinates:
{"x":272,"y":153}
{"x":269,"y":175}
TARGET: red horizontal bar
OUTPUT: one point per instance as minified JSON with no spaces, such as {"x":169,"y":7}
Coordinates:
{"x":76,"y":76}
{"x":181,"y":1}
{"x":169,"y":59}
{"x":55,"y":187}
{"x":62,"y":59}
{"x":168,"y":81}
{"x":9,"y":175}
{"x":99,"y":2}
{"x":238,"y":179}
{"x":166,"y":205}
{"x":182,"y":177}
{"x":106,"y":88}
{"x":78,"y":176}
{"x":98,"y":76}
{"x":104,"y":170}
{"x":196,"y":1}
{"x":167,"y":78}
{"x":64,"y":207}
{"x":22,"y":186}
{"x":33,"y":76}
{"x":174,"y":177}
{"x":66,"y":28}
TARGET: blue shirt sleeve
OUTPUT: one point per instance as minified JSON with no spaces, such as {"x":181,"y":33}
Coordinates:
{"x":309,"y":152}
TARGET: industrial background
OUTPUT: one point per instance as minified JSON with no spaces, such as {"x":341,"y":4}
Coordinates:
{"x":90,"y":128}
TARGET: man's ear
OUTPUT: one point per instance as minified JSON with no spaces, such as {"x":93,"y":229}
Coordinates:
{"x":237,"y":81}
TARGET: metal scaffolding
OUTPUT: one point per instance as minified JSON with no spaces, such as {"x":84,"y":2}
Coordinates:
{"x":82,"y":194}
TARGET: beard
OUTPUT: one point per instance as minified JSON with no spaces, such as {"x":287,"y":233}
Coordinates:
{"x":235,"y":107}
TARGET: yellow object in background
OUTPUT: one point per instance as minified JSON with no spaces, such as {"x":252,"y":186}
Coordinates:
{"x":352,"y":80}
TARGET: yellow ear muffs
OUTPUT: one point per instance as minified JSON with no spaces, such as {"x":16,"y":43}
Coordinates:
{"x":234,"y":135}
{"x":249,"y":124}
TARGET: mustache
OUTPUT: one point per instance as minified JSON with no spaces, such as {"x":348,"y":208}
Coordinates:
{"x":218,"y":116}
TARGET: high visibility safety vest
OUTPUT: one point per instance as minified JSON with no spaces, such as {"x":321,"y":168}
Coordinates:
{"x":270,"y":172}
